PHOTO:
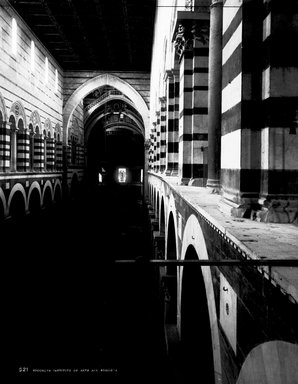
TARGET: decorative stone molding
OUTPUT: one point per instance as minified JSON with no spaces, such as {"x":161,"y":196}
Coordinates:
{"x":190,"y":26}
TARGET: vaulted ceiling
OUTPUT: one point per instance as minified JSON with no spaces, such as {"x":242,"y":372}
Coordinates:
{"x":110,"y":35}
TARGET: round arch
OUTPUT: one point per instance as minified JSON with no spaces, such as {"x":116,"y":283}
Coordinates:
{"x":162,"y":215}
{"x":92,"y":123}
{"x":15,"y":188}
{"x":34,"y":201}
{"x":99,"y":81}
{"x":57,"y":192}
{"x":3,"y":199}
{"x":157,"y":207}
{"x":19,"y":189}
{"x":272,"y":362}
{"x":193,"y":236}
{"x":34,"y":185}
{"x":47,"y":184}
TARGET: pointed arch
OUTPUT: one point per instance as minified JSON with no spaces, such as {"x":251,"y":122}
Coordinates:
{"x":193,"y":236}
{"x":48,"y":126}
{"x":35,"y":120}
{"x":3,"y":108}
{"x":17,"y":110}
{"x":96,"y":82}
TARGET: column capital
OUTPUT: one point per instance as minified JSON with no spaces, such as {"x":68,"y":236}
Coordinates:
{"x":216,"y":3}
{"x":168,"y":75}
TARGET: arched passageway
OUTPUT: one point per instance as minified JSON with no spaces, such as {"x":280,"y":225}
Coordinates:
{"x":58,"y":195}
{"x":34,"y":202}
{"x":169,"y":282}
{"x":196,"y":342}
{"x":17,"y":206}
{"x":47,"y":198}
{"x":162,"y":218}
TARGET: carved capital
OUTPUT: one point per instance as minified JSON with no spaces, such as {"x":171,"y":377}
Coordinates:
{"x":147,"y":144}
{"x":200,"y":31}
{"x":183,"y":39}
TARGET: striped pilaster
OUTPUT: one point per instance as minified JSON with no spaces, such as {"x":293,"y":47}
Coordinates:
{"x":59,"y":156}
{"x":241,"y":80}
{"x":50,"y":154}
{"x":158,"y":141}
{"x":163,"y":141}
{"x":4,"y":148}
{"x":81,"y":155}
{"x":279,"y":135}
{"x":23,"y":151}
{"x":69,"y":153}
{"x":170,"y":109}
{"x":185,"y":117}
{"x":151,"y":151}
{"x":200,"y":110}
{"x":38,"y":154}
{"x":154,"y":147}
{"x":175,"y":137}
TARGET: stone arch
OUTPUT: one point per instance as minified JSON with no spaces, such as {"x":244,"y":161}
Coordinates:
{"x":157,"y":207}
{"x":3,"y":208}
{"x":273,"y":362}
{"x":57,"y":129}
{"x":74,"y":186}
{"x":57,"y":192}
{"x":34,"y":185}
{"x":96,"y":82}
{"x":34,"y":199}
{"x":17,"y":192}
{"x":90,"y":124}
{"x":193,"y":236}
{"x":3,"y":109}
{"x":162,"y":215}
{"x":17,"y":110}
{"x":35,"y":120}
{"x":47,"y":198}
{"x":48,"y":127}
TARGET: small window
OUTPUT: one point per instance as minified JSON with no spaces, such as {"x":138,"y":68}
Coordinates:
{"x":56,"y":80}
{"x":46,"y":74}
{"x":14,"y":34}
{"x":32,"y":55}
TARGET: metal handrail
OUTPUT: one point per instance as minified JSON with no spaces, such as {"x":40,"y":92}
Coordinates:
{"x":227,"y":262}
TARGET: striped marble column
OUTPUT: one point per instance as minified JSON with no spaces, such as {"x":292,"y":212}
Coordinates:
{"x":185,"y":116}
{"x":163,"y":141}
{"x":38,"y":154}
{"x":241,"y":120}
{"x":23,"y":150}
{"x":200,"y":101}
{"x":158,"y":141}
{"x":151,"y":152}
{"x":279,"y":134}
{"x":170,"y":106}
{"x":81,"y":155}
{"x":175,"y":136}
{"x":59,"y":156}
{"x":154,"y":147}
{"x":50,"y":154}
{"x":4,"y":148}
{"x":69,"y":153}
